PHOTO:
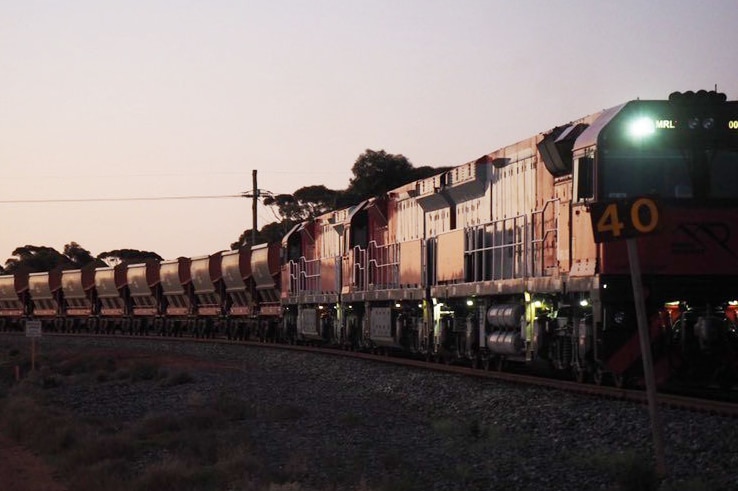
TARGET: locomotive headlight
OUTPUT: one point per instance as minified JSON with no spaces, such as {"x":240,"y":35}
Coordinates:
{"x":641,"y":127}
{"x":708,"y":123}
{"x":693,"y":123}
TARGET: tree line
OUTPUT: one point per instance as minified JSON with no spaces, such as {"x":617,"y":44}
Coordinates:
{"x":374,"y":174}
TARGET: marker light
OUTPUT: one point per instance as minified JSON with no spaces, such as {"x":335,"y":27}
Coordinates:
{"x":470,"y":302}
{"x":642,"y":127}
{"x":584,"y":302}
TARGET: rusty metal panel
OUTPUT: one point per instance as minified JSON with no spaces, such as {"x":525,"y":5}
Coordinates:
{"x":12,"y":285}
{"x":236,"y":268}
{"x":72,"y":284}
{"x":266,"y":269}
{"x":437,"y":222}
{"x":450,"y":254}
{"x":329,"y":277}
{"x":350,"y":272}
{"x":142,"y":278}
{"x":327,"y":240}
{"x":41,"y":284}
{"x":105,"y":283}
{"x":43,"y":288}
{"x":404,"y":214}
{"x":476,"y":211}
{"x":201,"y":271}
{"x":514,"y":184}
{"x":77,"y":286}
{"x":411,"y":263}
{"x":584,"y":251}
{"x":175,"y":274}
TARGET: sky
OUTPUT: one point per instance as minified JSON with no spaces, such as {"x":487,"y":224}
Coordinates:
{"x":163,"y":98}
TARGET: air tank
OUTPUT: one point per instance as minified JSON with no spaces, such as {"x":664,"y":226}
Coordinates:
{"x":505,"y":315}
{"x":505,"y":343}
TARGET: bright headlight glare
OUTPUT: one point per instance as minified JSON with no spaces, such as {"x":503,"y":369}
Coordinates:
{"x":642,"y":127}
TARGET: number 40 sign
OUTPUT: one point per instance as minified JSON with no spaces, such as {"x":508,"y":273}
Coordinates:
{"x":625,"y":219}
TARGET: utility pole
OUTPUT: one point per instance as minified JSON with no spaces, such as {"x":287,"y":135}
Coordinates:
{"x":254,"y":198}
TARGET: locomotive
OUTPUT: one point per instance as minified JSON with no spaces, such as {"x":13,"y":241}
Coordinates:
{"x":490,"y":263}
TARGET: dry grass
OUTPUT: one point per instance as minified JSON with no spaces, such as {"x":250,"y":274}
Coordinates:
{"x":204,"y":446}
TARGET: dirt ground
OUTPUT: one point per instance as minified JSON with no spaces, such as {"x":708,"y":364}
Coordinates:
{"x":20,"y":470}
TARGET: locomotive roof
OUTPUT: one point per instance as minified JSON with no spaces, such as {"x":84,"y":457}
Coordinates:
{"x":590,"y":134}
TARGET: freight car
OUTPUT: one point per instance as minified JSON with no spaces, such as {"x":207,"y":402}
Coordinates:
{"x":490,"y":263}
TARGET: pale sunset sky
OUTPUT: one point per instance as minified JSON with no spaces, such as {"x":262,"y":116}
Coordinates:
{"x":156,"y":98}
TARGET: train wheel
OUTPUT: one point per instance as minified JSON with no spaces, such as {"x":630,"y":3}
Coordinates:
{"x":500,"y":363}
{"x":618,"y":379}
{"x":598,"y":376}
{"x":485,"y":363}
{"x":578,"y":374}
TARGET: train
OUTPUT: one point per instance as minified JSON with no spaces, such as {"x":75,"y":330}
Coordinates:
{"x":493,"y":263}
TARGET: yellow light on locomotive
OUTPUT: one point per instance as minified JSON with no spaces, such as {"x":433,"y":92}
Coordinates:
{"x":537,"y":304}
{"x":641,"y":127}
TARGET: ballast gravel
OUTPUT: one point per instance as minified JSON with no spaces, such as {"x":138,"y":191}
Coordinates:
{"x":330,"y":422}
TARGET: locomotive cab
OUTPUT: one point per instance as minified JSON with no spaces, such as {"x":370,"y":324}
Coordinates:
{"x":682,"y":153}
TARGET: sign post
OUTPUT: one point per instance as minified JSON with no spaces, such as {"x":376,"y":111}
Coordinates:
{"x":629,"y":219}
{"x":33,"y":331}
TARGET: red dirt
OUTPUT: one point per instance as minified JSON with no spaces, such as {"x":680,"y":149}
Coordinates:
{"x":21,"y":470}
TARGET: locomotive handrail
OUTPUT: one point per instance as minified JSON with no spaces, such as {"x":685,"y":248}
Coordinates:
{"x":538,"y":267}
{"x":489,"y":261}
{"x":386,"y":268}
{"x":304,"y":274}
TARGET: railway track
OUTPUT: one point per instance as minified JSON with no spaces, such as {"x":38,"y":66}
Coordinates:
{"x":667,"y":400}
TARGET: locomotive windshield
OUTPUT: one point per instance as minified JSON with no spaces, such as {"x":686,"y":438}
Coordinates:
{"x":704,"y":174}
{"x":676,"y":152}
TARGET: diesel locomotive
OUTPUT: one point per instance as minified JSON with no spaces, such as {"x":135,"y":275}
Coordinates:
{"x":492,"y":262}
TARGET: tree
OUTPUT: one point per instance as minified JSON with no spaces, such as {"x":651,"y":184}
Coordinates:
{"x":375,"y":173}
{"x":305,"y":203}
{"x":269,"y":233}
{"x":36,"y":259}
{"x":79,"y":256}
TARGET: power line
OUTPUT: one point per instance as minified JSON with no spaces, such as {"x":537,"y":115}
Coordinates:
{"x":87,"y":200}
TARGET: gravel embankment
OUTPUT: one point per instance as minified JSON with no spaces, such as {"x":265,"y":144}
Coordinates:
{"x":395,"y":428}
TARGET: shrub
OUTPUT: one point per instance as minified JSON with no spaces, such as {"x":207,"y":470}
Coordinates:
{"x":177,"y":378}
